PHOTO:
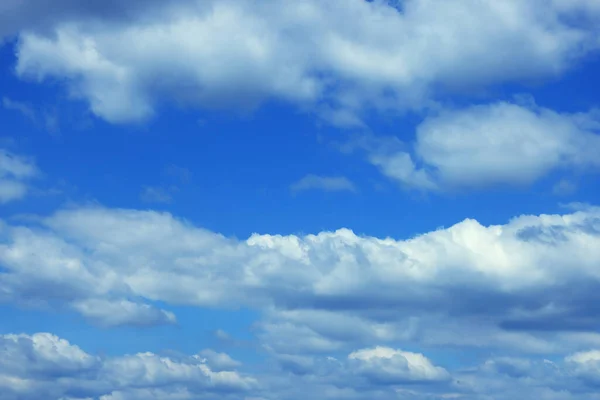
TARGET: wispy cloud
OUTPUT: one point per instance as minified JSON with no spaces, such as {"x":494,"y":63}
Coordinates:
{"x":15,"y":171}
{"x":325,"y":183}
{"x":154,"y":194}
{"x":23,"y":108}
{"x":564,"y":187}
{"x":46,"y":118}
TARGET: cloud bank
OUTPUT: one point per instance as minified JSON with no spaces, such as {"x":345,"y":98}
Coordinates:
{"x":125,"y":60}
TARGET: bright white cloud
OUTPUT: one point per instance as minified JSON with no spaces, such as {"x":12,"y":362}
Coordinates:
{"x":15,"y":171}
{"x":218,"y":361}
{"x":584,"y":357}
{"x":42,"y":355}
{"x":325,"y":183}
{"x":236,"y":53}
{"x":525,"y":273}
{"x":585,"y":365}
{"x":386,"y":365}
{"x":498,"y":143}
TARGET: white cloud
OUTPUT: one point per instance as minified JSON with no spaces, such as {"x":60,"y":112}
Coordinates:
{"x":387,"y":365}
{"x":15,"y":171}
{"x":42,"y":355}
{"x":219,"y":361}
{"x":303,"y":52}
{"x":584,"y":357}
{"x":585,"y":365}
{"x":498,"y":143}
{"x":45,"y":366}
{"x":325,"y":183}
{"x":122,"y":312}
{"x":150,"y":370}
{"x":529,"y":274}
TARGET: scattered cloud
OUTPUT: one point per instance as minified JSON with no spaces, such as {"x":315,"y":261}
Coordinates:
{"x":325,"y":183}
{"x":44,"y":365}
{"x":384,"y":365}
{"x":337,"y":315}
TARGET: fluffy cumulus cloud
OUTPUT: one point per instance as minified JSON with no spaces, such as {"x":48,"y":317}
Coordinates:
{"x":125,"y":59}
{"x":96,"y":259}
{"x":386,"y":365}
{"x":338,"y":315}
{"x":43,"y":365}
{"x":498,"y":143}
{"x":15,"y":171}
{"x":522,"y":287}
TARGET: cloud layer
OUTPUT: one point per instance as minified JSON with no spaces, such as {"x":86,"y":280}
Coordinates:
{"x":338,"y":315}
{"x":43,"y":365}
{"x":532,"y":278}
{"x":394,"y":55}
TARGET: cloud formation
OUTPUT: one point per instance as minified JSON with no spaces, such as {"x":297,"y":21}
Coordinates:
{"x":532,"y":278}
{"x":15,"y":171}
{"x":43,"y":365}
{"x":337,"y":315}
{"x":494,"y":144}
{"x":386,"y":365}
{"x":394,"y":55}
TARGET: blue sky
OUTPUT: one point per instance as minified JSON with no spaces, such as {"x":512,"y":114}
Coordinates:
{"x":343,"y":200}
